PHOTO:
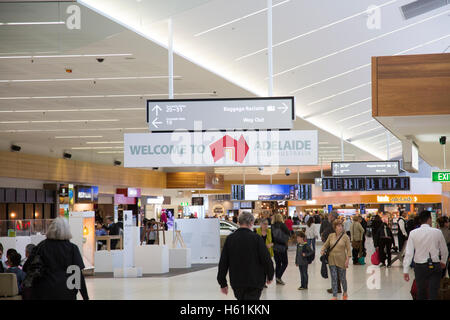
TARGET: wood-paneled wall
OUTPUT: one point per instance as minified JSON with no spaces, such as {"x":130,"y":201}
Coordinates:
{"x":193,"y":180}
{"x":411,"y":85}
{"x":26,"y":166}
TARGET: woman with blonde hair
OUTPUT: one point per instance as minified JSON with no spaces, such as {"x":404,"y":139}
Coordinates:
{"x":339,"y":252}
{"x":280,"y":235}
{"x":52,"y":258}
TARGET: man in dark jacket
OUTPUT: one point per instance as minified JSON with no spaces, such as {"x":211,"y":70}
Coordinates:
{"x":246,"y":257}
{"x":385,"y":239}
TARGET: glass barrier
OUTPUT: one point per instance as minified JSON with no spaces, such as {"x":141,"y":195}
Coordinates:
{"x":24,"y":227}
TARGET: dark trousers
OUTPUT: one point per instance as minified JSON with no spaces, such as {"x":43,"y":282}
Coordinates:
{"x":151,"y":241}
{"x":427,"y":280}
{"x":355,"y":253}
{"x":401,"y":241}
{"x":385,"y":250}
{"x":363,"y":245}
{"x":281,"y":262}
{"x":303,"y":275}
{"x":247,"y":293}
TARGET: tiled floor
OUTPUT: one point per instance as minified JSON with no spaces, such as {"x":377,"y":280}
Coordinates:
{"x":202,"y":285}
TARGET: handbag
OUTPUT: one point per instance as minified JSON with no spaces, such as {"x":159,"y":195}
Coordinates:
{"x":375,"y":258}
{"x":356,"y":244}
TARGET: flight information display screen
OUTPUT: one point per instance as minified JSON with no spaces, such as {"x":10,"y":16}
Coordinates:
{"x":268,"y":192}
{"x":366,"y":184}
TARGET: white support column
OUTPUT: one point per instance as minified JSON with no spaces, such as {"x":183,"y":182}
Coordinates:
{"x":388,"y":146}
{"x":342,"y":145}
{"x":269,"y":47}
{"x":298,"y":175}
{"x":170,"y":49}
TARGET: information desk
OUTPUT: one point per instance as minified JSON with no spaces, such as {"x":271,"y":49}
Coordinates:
{"x":108,"y":241}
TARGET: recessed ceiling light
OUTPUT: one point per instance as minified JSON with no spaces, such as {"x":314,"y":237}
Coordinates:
{"x":69,"y":56}
{"x":30,"y":23}
{"x":354,"y":116}
{"x":104,"y":142}
{"x":86,"y":79}
{"x":110,"y":152}
{"x":108,"y":96}
{"x":313,"y":31}
{"x":238,"y":19}
{"x":77,"y":137}
{"x":358,"y":44}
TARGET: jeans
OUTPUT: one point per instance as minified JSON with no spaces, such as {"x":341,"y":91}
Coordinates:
{"x":303,"y":275}
{"x":385,"y":250}
{"x":247,"y":293}
{"x":338,"y":276}
{"x":427,"y":280}
{"x":281,"y":262}
{"x":312,"y":243}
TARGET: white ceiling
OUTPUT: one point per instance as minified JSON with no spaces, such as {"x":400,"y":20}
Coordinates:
{"x":205,"y":63}
{"x":322,"y":52}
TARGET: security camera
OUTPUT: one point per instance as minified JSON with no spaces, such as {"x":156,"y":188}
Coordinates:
{"x":117,"y":162}
{"x":100,"y":60}
{"x":287,"y":172}
{"x":67,"y":155}
{"x":15,"y":148}
{"x":261,"y":169}
{"x":443,"y":140}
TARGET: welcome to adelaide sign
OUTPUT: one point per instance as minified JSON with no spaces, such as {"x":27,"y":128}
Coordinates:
{"x":236,"y":148}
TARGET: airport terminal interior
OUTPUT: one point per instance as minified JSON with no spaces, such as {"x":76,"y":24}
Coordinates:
{"x":138,"y":138}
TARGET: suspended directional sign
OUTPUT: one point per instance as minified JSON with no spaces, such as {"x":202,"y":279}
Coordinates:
{"x":365,"y":168}
{"x":216,"y":114}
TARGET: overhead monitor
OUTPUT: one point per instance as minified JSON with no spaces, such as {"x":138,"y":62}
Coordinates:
{"x":366,"y":184}
{"x":410,"y":153}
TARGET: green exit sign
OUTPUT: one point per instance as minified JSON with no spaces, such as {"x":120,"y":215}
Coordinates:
{"x":185,"y":204}
{"x":441,"y":176}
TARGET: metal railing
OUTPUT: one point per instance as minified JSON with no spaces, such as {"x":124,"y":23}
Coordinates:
{"x":24,"y":227}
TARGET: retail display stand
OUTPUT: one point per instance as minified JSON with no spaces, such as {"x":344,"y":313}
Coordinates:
{"x":179,"y":257}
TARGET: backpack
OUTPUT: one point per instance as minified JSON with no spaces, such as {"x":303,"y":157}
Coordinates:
{"x":310,"y":258}
{"x":409,"y":226}
{"x":36,"y":270}
{"x":279,"y":236}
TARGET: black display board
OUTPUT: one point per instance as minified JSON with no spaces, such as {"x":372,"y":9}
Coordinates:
{"x":30,"y":196}
{"x":2,"y":195}
{"x":366,"y":184}
{"x":49,"y":196}
{"x":20,"y":195}
{"x":197,"y":201}
{"x":291,"y":192}
{"x":40,"y":196}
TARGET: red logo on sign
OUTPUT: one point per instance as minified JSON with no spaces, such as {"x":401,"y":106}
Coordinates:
{"x":239,"y":148}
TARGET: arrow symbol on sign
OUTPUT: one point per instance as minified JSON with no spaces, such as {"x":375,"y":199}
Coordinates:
{"x":283,"y":108}
{"x":155,"y":122}
{"x":415,"y":199}
{"x":156,"y":108}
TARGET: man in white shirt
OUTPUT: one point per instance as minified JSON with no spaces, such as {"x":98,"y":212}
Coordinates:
{"x":347,"y":225}
{"x":428,"y":248}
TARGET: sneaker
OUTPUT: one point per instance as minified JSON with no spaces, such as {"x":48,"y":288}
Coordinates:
{"x":344,"y":296}
{"x":382,"y":265}
{"x":331,"y":291}
{"x":389,"y":265}
{"x":334,"y":298}
{"x":279,"y":281}
{"x":265,"y":286}
{"x":300,"y":288}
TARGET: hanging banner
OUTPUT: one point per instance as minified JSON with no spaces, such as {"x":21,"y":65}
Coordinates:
{"x":236,"y":148}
